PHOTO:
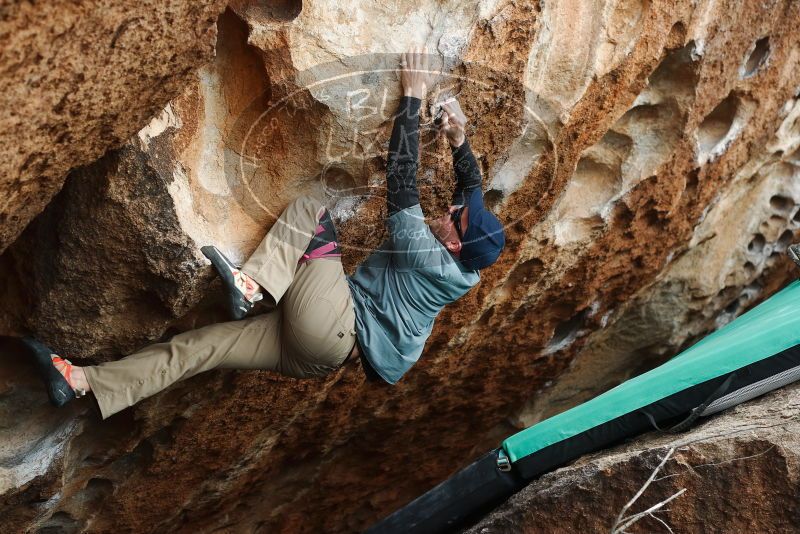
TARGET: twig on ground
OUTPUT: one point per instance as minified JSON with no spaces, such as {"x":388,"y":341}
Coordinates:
{"x":624,"y":522}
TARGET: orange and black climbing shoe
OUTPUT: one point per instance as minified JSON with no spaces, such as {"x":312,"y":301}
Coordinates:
{"x":233,"y":282}
{"x":58,"y":387}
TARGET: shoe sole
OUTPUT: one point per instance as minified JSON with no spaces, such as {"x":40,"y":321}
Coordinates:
{"x":238,"y":308}
{"x":58,"y":389}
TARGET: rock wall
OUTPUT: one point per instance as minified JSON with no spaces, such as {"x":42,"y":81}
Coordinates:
{"x":642,"y":154}
{"x":77,"y":78}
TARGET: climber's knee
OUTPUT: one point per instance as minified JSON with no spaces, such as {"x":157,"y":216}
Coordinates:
{"x":308,"y":204}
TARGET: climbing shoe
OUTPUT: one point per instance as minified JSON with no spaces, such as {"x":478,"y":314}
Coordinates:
{"x":58,"y":388}
{"x":794,"y":253}
{"x":233,"y":279}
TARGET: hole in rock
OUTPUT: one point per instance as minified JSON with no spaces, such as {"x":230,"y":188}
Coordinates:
{"x":520,"y":314}
{"x":639,"y":143}
{"x":525,"y":274}
{"x":492,"y":199}
{"x":676,"y":75}
{"x":678,"y":31}
{"x":59,"y":523}
{"x":595,"y":183}
{"x":338,"y":183}
{"x":486,"y":317}
{"x":509,"y":173}
{"x":654,"y":217}
{"x":733,"y":307}
{"x":786,"y":239}
{"x":796,"y":217}
{"x":566,"y":332}
{"x":749,"y":269}
{"x":99,"y":485}
{"x":239,"y":86}
{"x":756,"y":245}
{"x":750,"y":293}
{"x":692,"y":182}
{"x":756,"y":58}
{"x":252,"y":149}
{"x":654,"y":131}
{"x":781,"y":203}
{"x":141,"y":456}
{"x":753,"y":288}
{"x":772,"y":227}
{"x":95,"y":490}
{"x":283,"y":10}
{"x":716,"y":127}
{"x":577,"y":229}
{"x":161,"y":438}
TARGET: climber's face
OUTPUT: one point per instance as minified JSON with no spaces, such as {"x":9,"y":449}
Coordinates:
{"x":450,"y":227}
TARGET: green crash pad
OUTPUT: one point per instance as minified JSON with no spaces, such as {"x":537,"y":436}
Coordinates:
{"x":767,"y":329}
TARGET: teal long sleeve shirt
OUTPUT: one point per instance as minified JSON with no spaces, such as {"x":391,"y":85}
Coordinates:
{"x":399,"y":290}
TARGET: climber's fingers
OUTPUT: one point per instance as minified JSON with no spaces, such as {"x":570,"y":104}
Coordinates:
{"x":415,"y":58}
{"x":453,"y":114}
{"x":407,"y":59}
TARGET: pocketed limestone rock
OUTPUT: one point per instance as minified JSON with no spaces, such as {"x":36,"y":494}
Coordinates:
{"x":643,"y":156}
{"x":78,"y":78}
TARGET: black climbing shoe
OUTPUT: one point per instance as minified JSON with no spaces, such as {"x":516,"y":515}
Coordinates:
{"x":238,"y":306}
{"x":58,"y":389}
{"x":794,"y":253}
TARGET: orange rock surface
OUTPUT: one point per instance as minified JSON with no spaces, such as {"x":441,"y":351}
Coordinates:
{"x":642,"y":154}
{"x":78,"y":78}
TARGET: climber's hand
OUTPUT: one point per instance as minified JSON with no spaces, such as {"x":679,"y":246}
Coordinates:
{"x":453,"y":122}
{"x":415,"y":72}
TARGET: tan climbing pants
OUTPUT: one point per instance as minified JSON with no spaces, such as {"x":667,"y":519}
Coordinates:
{"x":309,"y":333}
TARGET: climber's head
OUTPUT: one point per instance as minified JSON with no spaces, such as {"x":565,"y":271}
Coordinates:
{"x":449,"y":228}
{"x":470,"y":232}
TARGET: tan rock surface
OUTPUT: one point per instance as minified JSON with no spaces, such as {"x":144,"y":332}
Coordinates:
{"x":644,"y":158}
{"x":77,"y":78}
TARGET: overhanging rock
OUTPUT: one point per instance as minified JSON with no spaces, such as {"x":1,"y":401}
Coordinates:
{"x":78,"y":78}
{"x":644,"y":156}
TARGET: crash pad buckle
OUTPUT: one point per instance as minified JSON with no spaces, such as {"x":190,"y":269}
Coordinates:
{"x":503,"y":463}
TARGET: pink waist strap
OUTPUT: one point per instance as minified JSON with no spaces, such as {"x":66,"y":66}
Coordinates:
{"x":322,"y":252}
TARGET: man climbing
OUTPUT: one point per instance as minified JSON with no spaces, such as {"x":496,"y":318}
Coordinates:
{"x":321,"y":318}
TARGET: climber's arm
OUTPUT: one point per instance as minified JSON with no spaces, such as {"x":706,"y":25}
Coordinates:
{"x":411,"y":240}
{"x":453,"y":124}
{"x":468,"y":175}
{"x":401,"y":168}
